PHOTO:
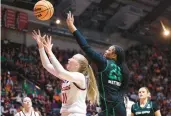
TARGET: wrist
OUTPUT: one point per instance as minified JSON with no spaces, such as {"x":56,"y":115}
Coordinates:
{"x":70,"y":24}
{"x":40,"y":45}
{"x":49,"y":53}
{"x":72,"y":28}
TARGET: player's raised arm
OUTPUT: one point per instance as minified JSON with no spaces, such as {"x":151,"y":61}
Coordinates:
{"x":62,"y":73}
{"x":43,"y":56}
{"x":99,"y":59}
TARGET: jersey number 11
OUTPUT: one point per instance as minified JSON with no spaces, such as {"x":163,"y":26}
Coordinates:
{"x":64,"y":98}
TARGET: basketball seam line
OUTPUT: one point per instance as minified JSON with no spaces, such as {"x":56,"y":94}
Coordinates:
{"x":49,"y":7}
{"x":46,"y":14}
{"x":43,"y":10}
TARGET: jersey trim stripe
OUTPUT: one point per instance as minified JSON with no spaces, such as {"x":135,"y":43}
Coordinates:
{"x":79,"y":87}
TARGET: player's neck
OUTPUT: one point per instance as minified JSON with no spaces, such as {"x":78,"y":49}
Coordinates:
{"x":27,"y":110}
{"x":143,"y":101}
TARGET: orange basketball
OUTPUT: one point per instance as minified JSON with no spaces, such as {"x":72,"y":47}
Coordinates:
{"x":43,"y":10}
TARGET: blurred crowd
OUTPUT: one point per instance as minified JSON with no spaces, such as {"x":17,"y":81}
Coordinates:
{"x":150,"y":66}
{"x":23,"y":75}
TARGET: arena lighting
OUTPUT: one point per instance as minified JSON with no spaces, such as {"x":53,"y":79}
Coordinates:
{"x":58,"y":21}
{"x":166,"y":32}
{"x":37,"y":87}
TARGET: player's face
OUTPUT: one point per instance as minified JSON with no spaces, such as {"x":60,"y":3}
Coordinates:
{"x":109,"y":52}
{"x":73,"y":64}
{"x":142,"y":93}
{"x":27,"y":102}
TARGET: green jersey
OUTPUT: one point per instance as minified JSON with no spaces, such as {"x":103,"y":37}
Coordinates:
{"x":110,"y":80}
{"x":148,"y":110}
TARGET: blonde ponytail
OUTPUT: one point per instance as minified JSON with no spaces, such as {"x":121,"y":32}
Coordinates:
{"x":92,"y":91}
{"x":148,"y":91}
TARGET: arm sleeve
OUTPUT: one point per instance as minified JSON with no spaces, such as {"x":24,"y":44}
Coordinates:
{"x":46,"y":63}
{"x":155,"y":106}
{"x":99,"y":59}
{"x":64,"y":74}
{"x":132,"y":109}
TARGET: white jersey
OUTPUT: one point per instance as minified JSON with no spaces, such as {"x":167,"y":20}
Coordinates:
{"x":73,"y":98}
{"x":21,"y":113}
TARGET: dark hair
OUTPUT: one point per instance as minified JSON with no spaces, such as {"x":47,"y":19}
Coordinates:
{"x":120,"y":61}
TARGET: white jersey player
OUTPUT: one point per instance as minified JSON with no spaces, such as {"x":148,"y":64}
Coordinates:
{"x":128,"y":105}
{"x":73,"y":98}
{"x":27,"y":108}
{"x":74,"y":87}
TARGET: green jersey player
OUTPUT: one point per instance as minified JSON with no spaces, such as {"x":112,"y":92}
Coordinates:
{"x":145,"y":107}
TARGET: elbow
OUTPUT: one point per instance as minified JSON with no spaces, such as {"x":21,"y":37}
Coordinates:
{"x":59,"y":74}
{"x":46,"y":66}
{"x":85,"y":47}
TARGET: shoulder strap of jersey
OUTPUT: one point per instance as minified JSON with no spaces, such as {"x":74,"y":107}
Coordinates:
{"x":34,"y":113}
{"x":137,"y":105}
{"x":86,"y":82}
{"x":152,"y":106}
{"x":78,"y":86}
{"x":23,"y":113}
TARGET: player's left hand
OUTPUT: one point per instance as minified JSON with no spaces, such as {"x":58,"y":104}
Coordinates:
{"x":37,"y":36}
{"x":70,"y":19}
{"x":48,"y":44}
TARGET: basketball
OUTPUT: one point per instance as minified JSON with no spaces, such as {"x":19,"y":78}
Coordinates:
{"x":43,"y":10}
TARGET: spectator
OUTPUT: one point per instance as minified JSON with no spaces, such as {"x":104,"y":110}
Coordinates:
{"x":28,"y":109}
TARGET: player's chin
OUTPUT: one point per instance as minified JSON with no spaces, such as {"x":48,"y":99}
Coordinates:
{"x":28,"y":106}
{"x":141,"y":97}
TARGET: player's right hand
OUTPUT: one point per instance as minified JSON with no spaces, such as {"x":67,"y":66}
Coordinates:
{"x":37,"y":36}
